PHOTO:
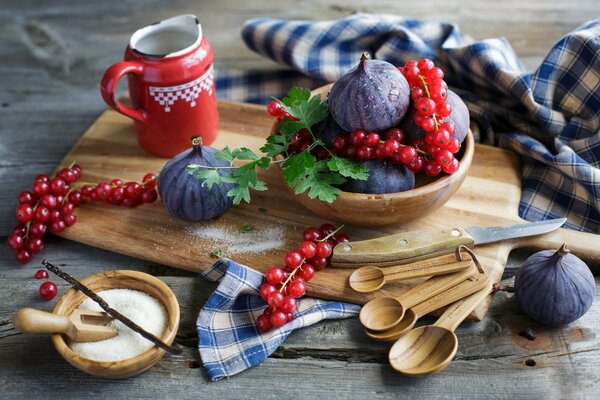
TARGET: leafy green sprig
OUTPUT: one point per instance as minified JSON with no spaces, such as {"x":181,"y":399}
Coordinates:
{"x":302,"y":171}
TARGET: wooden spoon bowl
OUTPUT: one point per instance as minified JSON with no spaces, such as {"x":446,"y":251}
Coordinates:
{"x":361,"y":209}
{"x":120,"y":279}
{"x":383,"y":312}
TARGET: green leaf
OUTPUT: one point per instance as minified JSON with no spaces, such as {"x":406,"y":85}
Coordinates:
{"x":218,"y":253}
{"x":320,"y":184}
{"x":276,"y":144}
{"x":224,"y":154}
{"x":296,"y":94}
{"x":244,"y":154}
{"x":297,"y":166}
{"x":348,"y":168}
{"x":245,"y":228}
{"x":210,"y":177}
{"x":239,"y":193}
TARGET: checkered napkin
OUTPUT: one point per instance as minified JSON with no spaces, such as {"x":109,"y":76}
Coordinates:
{"x":229,"y":341}
{"x":550,"y":116}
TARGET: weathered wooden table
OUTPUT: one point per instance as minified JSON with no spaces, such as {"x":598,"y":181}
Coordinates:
{"x":49,"y":98}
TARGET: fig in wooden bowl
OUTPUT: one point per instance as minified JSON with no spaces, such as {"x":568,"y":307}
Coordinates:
{"x":379,"y":209}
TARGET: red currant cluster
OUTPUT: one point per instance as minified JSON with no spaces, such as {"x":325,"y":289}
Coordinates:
{"x":284,"y":286}
{"x":429,"y":93}
{"x":51,"y":202}
{"x":48,"y":289}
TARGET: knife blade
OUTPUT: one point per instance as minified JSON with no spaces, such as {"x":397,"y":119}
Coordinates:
{"x":405,"y":247}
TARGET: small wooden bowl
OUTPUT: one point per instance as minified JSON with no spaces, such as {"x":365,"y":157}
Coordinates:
{"x":120,"y":279}
{"x":360,"y":209}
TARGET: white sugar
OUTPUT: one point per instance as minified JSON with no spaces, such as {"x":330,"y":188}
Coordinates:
{"x":139,"y":307}
{"x":232,"y":241}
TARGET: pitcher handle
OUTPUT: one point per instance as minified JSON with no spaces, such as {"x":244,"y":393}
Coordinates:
{"x":109,"y":84}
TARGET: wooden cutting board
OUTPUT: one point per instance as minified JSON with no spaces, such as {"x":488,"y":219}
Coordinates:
{"x":489,"y":196}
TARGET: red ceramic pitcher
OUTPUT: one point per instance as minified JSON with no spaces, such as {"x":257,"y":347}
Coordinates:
{"x":169,"y":66}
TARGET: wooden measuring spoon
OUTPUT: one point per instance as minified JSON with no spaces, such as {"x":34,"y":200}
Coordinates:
{"x":384,"y":312}
{"x":428,"y":349}
{"x":80,"y":326}
{"x":403,"y":326}
{"x":370,"y":278}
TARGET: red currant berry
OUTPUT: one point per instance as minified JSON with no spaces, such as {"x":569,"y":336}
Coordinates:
{"x":15,"y":242}
{"x":265,"y":290}
{"x":372,"y":139}
{"x":395,"y":134}
{"x":434,"y":74}
{"x":77,"y":171}
{"x":438,"y":91}
{"x":275,"y":275}
{"x":324,"y":249}
{"x":24,"y":213}
{"x":275,"y":299}
{"x":58,"y":226}
{"x":149,"y":195}
{"x":58,"y":187}
{"x":364,"y":153}
{"x":312,"y":234}
{"x":41,"y":274}
{"x":289,"y":317}
{"x":425,"y":64}
{"x":149,"y":180}
{"x":391,"y":147}
{"x":288,"y":305}
{"x":433,"y":150}
{"x":297,"y":288}
{"x":407,"y":154}
{"x":342,"y":238}
{"x":410,"y":71}
{"x":308,"y":249}
{"x":115,"y":183}
{"x":326,"y":229}
{"x":319,"y":262}
{"x":48,"y":290}
{"x":42,"y":178}
{"x":70,"y":219}
{"x":305,"y":135}
{"x":133,"y":190}
{"x":103,"y":191}
{"x":42,"y":214}
{"x":23,"y":256}
{"x":452,"y":167}
{"x":267,"y":311}
{"x":37,"y":229}
{"x":425,"y":106}
{"x":48,"y":201}
{"x":443,"y":109}
{"x":417,"y":164}
{"x":129,"y":202}
{"x":67,"y":209}
{"x":448,"y":126}
{"x":275,"y":109}
{"x":432,"y":168}
{"x":340,"y":144}
{"x":427,"y":124}
{"x":442,"y":138}
{"x":379,"y":152}
{"x":453,"y":145}
{"x":444,"y":157}
{"x":416,"y":93}
{"x":87,"y":190}
{"x":55,"y":215}
{"x":358,"y":137}
{"x":35,"y":245}
{"x":25,"y":197}
{"x":263,"y":323}
{"x":75,"y":198}
{"x":351,"y":153}
{"x":293,"y":259}
{"x":67,"y":175}
{"x":40,"y":188}
{"x":307,"y":272}
{"x":19,"y":230}
{"x":277,"y":318}
{"x":418,"y":143}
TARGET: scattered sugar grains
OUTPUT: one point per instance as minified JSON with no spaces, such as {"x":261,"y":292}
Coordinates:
{"x":232,"y":241}
{"x":139,"y":307}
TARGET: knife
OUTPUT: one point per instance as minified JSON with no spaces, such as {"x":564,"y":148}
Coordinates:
{"x":405,"y":247}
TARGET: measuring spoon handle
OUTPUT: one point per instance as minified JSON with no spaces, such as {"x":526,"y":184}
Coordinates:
{"x":463,"y":289}
{"x":419,"y":270}
{"x":457,"y":312}
{"x":434,"y":286}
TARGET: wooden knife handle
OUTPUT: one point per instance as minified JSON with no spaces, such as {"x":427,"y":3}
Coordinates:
{"x":400,"y":248}
{"x":30,"y":320}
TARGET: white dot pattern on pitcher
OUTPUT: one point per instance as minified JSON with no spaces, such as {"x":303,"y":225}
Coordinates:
{"x":166,"y":96}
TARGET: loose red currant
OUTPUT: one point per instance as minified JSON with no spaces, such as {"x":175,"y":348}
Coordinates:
{"x":293,"y":259}
{"x":277,"y":318}
{"x":267,"y":289}
{"x":275,"y":275}
{"x":263,"y":323}
{"x":24,"y":213}
{"x":288,"y":305}
{"x":308,"y":249}
{"x":23,"y":256}
{"x":41,"y":274}
{"x":372,"y":139}
{"x":275,"y":109}
{"x":307,"y":272}
{"x":35,"y":245}
{"x":297,"y":288}
{"x":48,"y":290}
{"x":25,"y":197}
{"x":15,"y":242}
{"x":275,"y":299}
{"x":358,"y":137}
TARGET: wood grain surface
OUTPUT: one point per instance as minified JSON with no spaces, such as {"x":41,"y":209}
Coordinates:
{"x":47,"y":103}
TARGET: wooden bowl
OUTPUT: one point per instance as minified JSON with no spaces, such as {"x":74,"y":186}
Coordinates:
{"x":360,"y":209}
{"x":120,"y":279}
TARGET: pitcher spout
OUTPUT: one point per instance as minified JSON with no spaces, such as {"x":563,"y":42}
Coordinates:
{"x":171,"y":37}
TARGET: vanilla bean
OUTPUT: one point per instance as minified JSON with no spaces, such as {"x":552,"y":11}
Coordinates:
{"x":113,"y":313}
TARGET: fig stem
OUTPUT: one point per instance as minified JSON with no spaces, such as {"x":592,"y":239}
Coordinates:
{"x":564,"y":250}
{"x":363,"y":61}
{"x":196,"y":141}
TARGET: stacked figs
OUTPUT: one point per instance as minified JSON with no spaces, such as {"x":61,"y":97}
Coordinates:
{"x":396,"y":121}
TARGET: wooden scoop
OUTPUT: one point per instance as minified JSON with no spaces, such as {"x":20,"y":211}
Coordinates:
{"x":384,"y":312}
{"x":371,"y":278}
{"x":80,"y":326}
{"x":428,"y":349}
{"x":404,"y":325}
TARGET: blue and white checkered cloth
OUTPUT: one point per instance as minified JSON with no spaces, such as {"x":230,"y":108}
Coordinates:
{"x":551,"y":116}
{"x":229,"y":341}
